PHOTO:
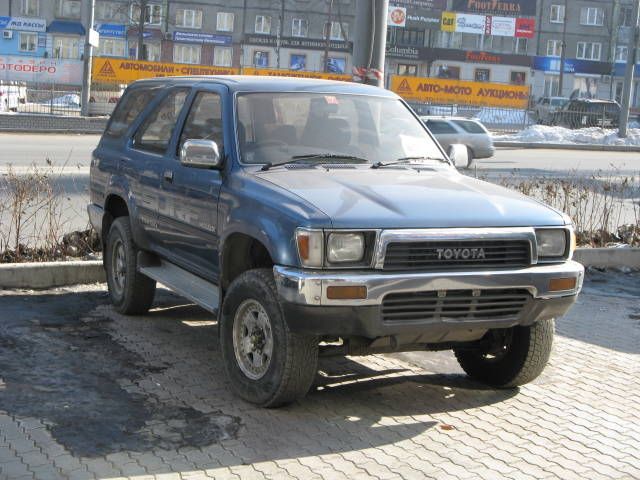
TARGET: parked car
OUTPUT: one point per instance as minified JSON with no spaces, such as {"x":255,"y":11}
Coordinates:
{"x":463,"y":131}
{"x":11,"y":96}
{"x":583,"y":113}
{"x":316,"y":217}
{"x":547,"y":106}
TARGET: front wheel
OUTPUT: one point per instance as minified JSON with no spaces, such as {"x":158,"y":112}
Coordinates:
{"x":131,"y":292}
{"x":266,"y":363}
{"x":509,"y":357}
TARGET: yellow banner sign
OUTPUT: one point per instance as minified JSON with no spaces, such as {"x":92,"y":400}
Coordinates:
{"x":448,"y":22}
{"x":437,"y":90}
{"x":117,"y":70}
{"x":267,"y":72}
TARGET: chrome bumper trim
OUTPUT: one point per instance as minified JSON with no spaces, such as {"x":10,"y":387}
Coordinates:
{"x":307,"y":287}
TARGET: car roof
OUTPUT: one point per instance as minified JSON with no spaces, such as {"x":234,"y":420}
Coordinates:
{"x":593,"y":100}
{"x":446,"y":119}
{"x":252,"y":83}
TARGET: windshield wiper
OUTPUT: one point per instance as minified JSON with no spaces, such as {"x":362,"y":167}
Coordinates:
{"x":316,"y":156}
{"x":404,"y":161}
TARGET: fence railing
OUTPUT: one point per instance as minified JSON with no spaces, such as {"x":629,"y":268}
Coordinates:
{"x":497,"y":119}
{"x":58,"y":102}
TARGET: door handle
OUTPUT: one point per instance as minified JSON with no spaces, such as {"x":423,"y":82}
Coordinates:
{"x":168,"y":175}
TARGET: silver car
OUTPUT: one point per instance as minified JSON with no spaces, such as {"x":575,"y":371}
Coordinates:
{"x":470,"y":133}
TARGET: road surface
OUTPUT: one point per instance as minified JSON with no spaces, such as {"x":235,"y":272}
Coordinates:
{"x":70,"y":156}
{"x":24,"y":150}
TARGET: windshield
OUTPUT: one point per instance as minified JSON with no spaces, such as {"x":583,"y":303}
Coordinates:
{"x":276,"y":127}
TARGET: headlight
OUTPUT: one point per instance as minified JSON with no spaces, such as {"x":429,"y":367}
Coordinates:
{"x":310,"y":246}
{"x":345,"y":247}
{"x":551,"y":242}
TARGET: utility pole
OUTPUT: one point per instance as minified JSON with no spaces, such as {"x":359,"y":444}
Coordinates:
{"x":143,"y":11}
{"x":88,"y":58}
{"x":563,"y":53}
{"x":632,"y":57}
{"x":279,"y":35}
{"x":370,"y":41}
{"x":327,"y":38}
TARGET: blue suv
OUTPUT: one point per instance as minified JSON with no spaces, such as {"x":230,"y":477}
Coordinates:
{"x":316,"y":217}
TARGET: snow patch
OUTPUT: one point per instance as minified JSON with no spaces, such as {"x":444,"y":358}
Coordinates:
{"x":583,"y":136}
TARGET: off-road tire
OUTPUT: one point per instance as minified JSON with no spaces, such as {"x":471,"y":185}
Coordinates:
{"x":524,"y":361}
{"x":294,"y":361}
{"x":135,"y":297}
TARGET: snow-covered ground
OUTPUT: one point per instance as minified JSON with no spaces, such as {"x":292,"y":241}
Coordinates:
{"x":592,"y":136}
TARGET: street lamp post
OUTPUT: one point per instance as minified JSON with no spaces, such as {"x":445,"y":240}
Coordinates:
{"x":88,"y":58}
{"x":632,"y":57}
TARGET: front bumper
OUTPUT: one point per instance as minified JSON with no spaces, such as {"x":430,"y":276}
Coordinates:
{"x":308,"y":309}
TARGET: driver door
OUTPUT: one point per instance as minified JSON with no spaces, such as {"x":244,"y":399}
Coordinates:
{"x":188,"y":206}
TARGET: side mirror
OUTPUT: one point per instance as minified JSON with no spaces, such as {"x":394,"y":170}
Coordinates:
{"x":200,"y":154}
{"x":459,"y":155}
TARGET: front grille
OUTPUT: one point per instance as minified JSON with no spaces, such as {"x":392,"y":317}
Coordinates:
{"x":454,"y":305}
{"x":451,"y":255}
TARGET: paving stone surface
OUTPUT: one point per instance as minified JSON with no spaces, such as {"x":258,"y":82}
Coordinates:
{"x":86,"y":393}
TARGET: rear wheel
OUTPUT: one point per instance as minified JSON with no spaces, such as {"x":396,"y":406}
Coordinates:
{"x":131,"y":292}
{"x":509,"y":357}
{"x":266,"y":363}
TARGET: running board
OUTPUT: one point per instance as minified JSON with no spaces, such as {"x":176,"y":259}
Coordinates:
{"x":196,"y":289}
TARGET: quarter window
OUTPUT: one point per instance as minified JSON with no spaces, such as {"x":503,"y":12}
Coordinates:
{"x":128,"y":109}
{"x":438,"y":127}
{"x":204,"y":121}
{"x":155,"y":133}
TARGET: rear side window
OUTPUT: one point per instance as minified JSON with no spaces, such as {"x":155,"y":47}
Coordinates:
{"x":155,"y":133}
{"x":469,"y":127}
{"x":438,"y":127}
{"x":128,"y":109}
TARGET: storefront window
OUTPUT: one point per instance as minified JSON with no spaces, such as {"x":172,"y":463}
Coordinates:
{"x":297,"y":62}
{"x":186,"y":53}
{"x":261,"y":59}
{"x":482,"y":75}
{"x":28,"y":42}
{"x":222,"y":56}
{"x":112,"y":47}
{"x":518,"y":78}
{"x":66,"y":47}
{"x":446,"y":71}
{"x":407,"y":69}
{"x":551,"y":86}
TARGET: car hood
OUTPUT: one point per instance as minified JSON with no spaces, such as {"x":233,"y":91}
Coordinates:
{"x":410,"y":198}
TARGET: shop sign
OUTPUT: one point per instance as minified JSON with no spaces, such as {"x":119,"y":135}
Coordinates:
{"x":267,"y":72}
{"x":15,"y":68}
{"x":396,"y":16}
{"x":525,"y":27}
{"x":23,"y":23}
{"x":197,"y":37}
{"x":111,"y":30}
{"x":468,"y":23}
{"x":449,"y":91}
{"x":423,"y":4}
{"x":514,"y":8}
{"x":501,"y":26}
{"x":295,"y":42}
{"x":408,"y":53}
{"x":112,"y":70}
{"x":571,"y":65}
{"x":474,"y":56}
{"x":448,"y":22}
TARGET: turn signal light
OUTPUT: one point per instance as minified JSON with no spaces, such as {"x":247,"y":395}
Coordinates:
{"x":352,"y":292}
{"x":562,"y":284}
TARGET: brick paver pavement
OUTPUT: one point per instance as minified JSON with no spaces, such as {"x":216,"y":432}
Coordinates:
{"x":86,"y":393}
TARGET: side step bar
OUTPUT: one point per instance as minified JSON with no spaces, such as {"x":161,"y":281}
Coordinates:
{"x":196,"y":289}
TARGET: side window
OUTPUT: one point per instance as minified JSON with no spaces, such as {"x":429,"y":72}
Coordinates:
{"x":155,"y":133}
{"x":128,"y":109}
{"x":437,"y":127}
{"x":204,"y":121}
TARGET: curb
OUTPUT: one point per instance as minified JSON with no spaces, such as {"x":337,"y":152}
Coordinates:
{"x":608,"y":257}
{"x":568,"y":146}
{"x":54,"y":131}
{"x":50,"y":274}
{"x":59,"y":274}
